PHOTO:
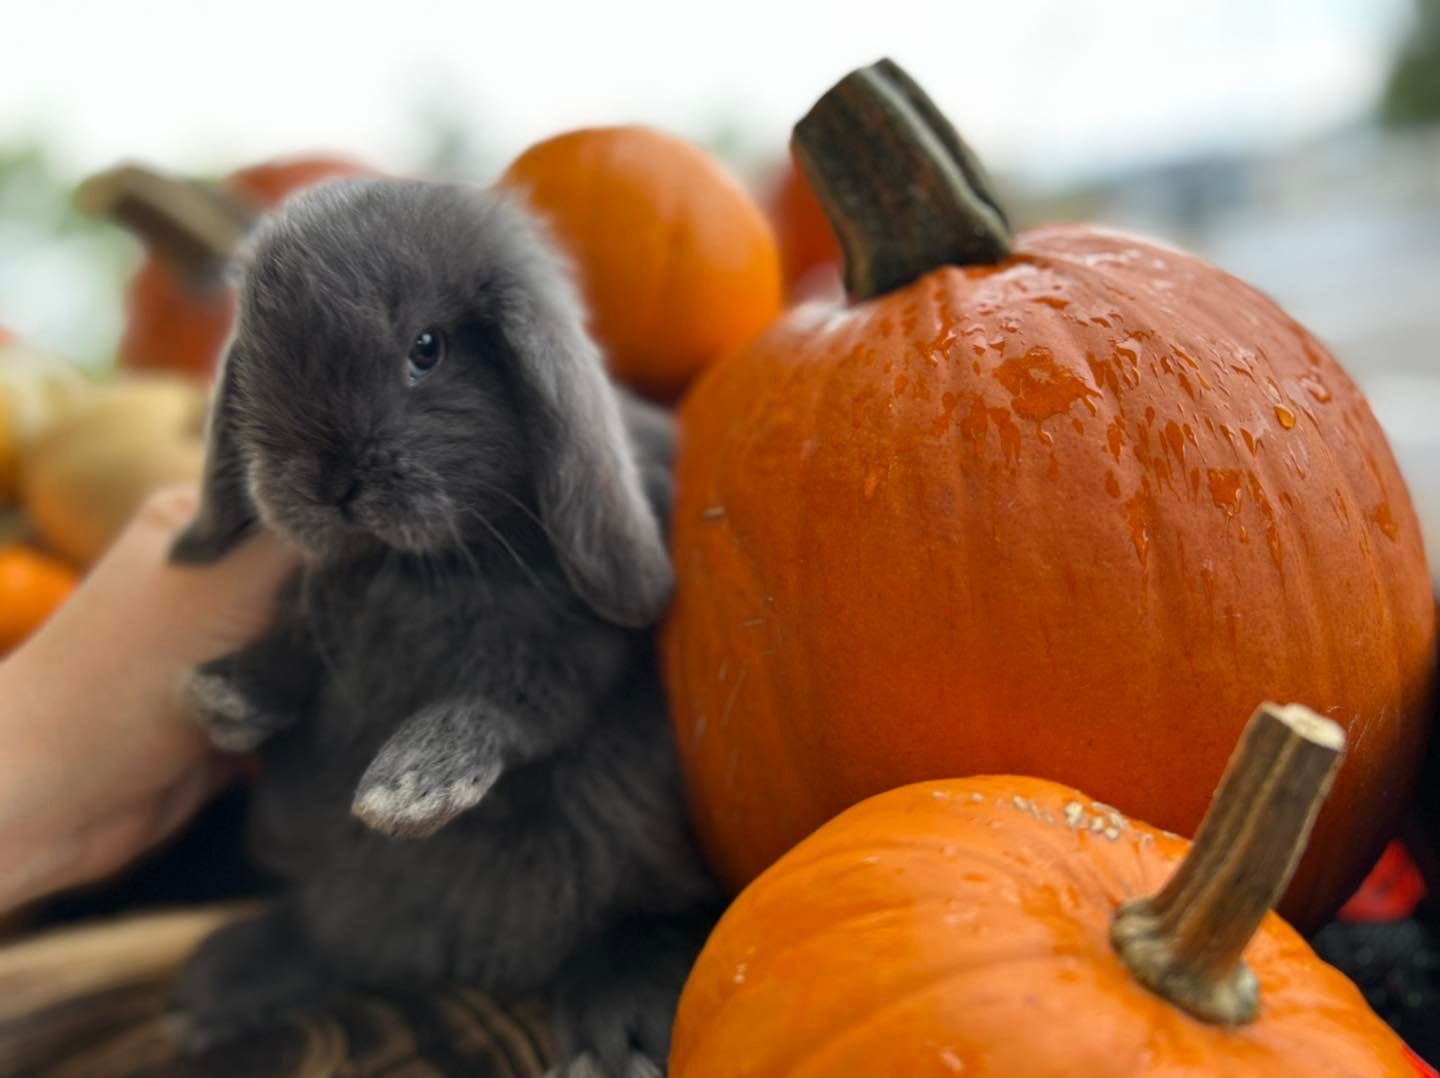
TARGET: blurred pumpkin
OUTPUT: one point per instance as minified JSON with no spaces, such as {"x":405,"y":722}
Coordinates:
{"x":809,"y":252}
{"x":84,"y":477}
{"x":37,"y":388}
{"x":1000,"y":926}
{"x":32,"y":587}
{"x":1063,"y":504}
{"x":677,"y":262}
{"x":180,"y":307}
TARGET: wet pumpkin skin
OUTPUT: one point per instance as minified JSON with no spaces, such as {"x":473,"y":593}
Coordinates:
{"x":1071,"y":515}
{"x":963,"y":926}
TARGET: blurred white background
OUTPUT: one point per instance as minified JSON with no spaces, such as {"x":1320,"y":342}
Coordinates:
{"x":1258,"y":132}
{"x":1043,"y":86}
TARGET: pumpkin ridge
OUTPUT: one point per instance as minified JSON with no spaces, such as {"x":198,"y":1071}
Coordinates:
{"x":793,"y":941}
{"x":855,"y":1024}
{"x":1383,"y":591}
{"x":807,"y":741}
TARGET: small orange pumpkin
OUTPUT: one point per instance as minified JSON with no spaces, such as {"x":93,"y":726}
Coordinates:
{"x":677,"y":262}
{"x":809,"y":252}
{"x":999,"y":926}
{"x":179,"y":307}
{"x":1063,"y":504}
{"x":32,"y":587}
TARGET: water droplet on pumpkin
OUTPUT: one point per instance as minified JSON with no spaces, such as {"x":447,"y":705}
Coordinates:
{"x":1386,"y":520}
{"x":1112,"y":485}
{"x":1040,"y":388}
{"x":1285,"y":415}
{"x":1139,"y":530}
{"x":1175,"y":440}
{"x":1115,"y":436}
{"x":1225,"y":488}
{"x":1316,"y":388}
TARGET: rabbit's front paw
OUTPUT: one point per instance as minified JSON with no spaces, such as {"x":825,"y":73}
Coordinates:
{"x":229,"y":717}
{"x":414,"y":805}
{"x":440,"y":762}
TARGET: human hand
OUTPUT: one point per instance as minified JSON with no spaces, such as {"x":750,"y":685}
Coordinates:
{"x":98,"y":762}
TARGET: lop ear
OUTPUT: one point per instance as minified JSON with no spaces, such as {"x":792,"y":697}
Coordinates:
{"x":226,"y":514}
{"x":604,"y":531}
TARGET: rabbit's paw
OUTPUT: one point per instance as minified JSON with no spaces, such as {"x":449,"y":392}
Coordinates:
{"x":229,"y":717}
{"x":438,"y":764}
{"x":586,"y":1066}
{"x":246,"y":976}
{"x":615,"y":1002}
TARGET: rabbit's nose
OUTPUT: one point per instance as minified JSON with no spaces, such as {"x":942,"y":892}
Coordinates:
{"x":335,"y":484}
{"x":376,"y":458}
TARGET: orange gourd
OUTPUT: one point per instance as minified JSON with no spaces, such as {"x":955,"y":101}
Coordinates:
{"x":1063,"y":504}
{"x":809,"y":252}
{"x":32,"y":587}
{"x":179,"y":306}
{"x":1003,"y":926}
{"x":677,"y":262}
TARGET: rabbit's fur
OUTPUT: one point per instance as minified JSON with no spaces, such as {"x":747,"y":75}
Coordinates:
{"x":467,"y":769}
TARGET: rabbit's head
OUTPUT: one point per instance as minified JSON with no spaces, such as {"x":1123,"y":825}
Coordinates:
{"x":410,"y":363}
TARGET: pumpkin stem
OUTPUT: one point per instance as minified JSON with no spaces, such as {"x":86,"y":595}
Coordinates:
{"x":903,"y":192}
{"x":196,"y":226}
{"x":1186,"y":942}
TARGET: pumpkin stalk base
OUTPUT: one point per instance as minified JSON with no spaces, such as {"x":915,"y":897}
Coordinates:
{"x":1229,"y":998}
{"x":903,"y":192}
{"x":197,"y":226}
{"x":1186,"y":942}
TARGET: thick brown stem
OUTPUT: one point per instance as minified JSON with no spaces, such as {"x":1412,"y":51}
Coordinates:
{"x":1186,"y":943}
{"x":194,"y":225}
{"x":903,"y":192}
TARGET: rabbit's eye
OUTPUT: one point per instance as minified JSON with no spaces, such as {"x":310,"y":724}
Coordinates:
{"x":426,"y":352}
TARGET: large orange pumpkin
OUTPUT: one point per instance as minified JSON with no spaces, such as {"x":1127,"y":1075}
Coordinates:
{"x":1005,"y":926}
{"x":1065,"y":504}
{"x":677,"y":262}
{"x":179,"y":306}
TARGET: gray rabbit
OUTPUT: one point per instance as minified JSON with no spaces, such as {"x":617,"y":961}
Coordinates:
{"x":467,"y":770}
